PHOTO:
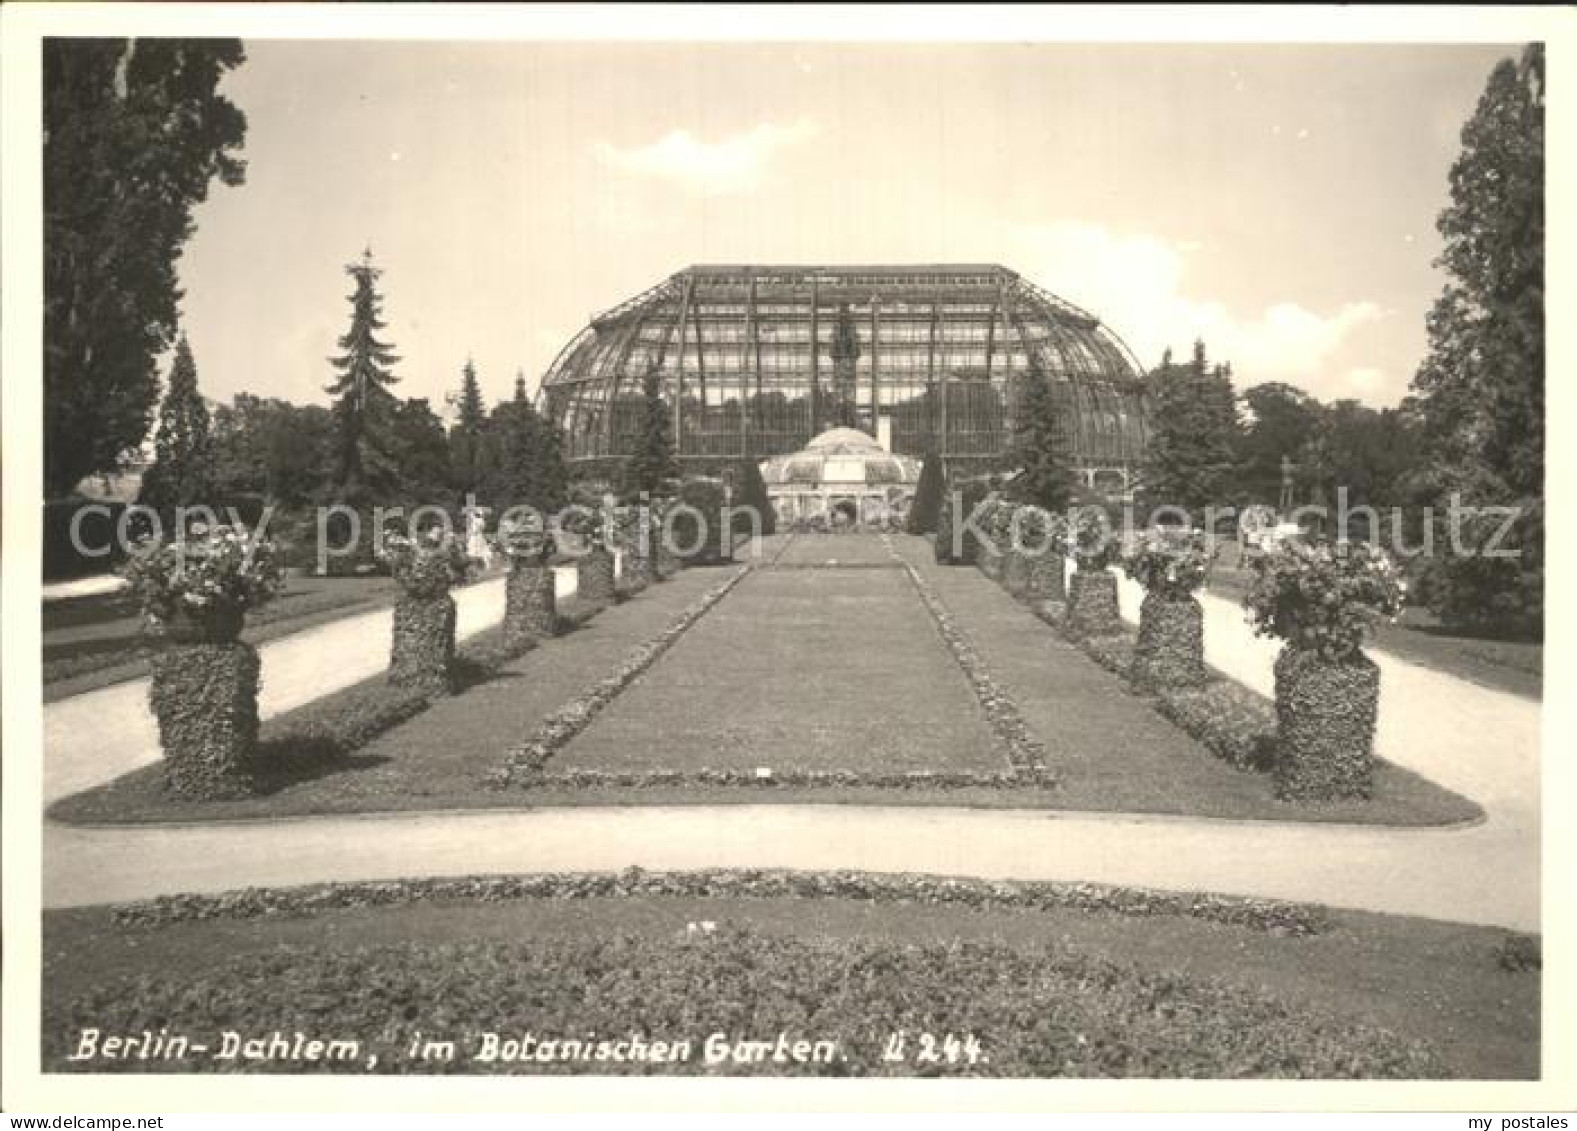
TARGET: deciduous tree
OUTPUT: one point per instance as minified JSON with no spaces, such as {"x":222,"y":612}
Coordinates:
{"x":134,"y":132}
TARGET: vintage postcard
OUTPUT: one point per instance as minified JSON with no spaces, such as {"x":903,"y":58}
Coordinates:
{"x":650,"y":557}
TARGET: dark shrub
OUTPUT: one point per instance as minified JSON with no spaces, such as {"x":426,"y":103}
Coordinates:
{"x":1113,"y":652}
{"x":695,"y":532}
{"x":1488,"y":596}
{"x":1325,"y":716}
{"x":97,"y":531}
{"x":750,"y":490}
{"x":1519,"y":953}
{"x":343,"y":722}
{"x":926,"y":506}
{"x":943,"y":547}
{"x":358,"y":558}
{"x":205,"y":699}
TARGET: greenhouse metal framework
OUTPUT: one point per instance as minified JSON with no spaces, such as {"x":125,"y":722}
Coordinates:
{"x":755,"y":360}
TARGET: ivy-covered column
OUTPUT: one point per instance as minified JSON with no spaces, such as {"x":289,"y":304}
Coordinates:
{"x":1092,"y":592}
{"x":635,"y":547}
{"x":1323,"y":600}
{"x":594,"y":575}
{"x":1170,"y":652}
{"x":421,"y":652}
{"x":530,"y":596}
{"x":195,"y":593}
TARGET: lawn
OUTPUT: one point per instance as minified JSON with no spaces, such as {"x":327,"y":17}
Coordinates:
{"x":1051,"y":987}
{"x":796,"y":670}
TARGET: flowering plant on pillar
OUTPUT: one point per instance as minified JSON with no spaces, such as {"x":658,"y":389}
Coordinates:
{"x":1323,"y":600}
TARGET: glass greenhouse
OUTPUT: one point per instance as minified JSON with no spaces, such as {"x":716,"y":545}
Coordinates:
{"x":756,"y":360}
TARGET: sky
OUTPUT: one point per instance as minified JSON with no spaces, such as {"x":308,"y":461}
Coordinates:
{"x":1277,"y":201}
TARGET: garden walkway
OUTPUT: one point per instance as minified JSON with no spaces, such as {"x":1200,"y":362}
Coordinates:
{"x":1476,"y":741}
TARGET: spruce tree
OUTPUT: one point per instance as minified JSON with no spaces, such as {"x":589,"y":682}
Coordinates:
{"x":1038,"y":450}
{"x":652,"y":465}
{"x":467,"y":441}
{"x":363,"y":402}
{"x":182,"y":471}
{"x":528,"y":465}
{"x":1191,"y":450}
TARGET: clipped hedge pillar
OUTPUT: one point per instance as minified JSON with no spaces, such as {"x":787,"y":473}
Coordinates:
{"x":1092,"y":603}
{"x":204,"y":696}
{"x":989,"y":559}
{"x":197,"y":588}
{"x":1046,"y":577}
{"x":594,"y":576}
{"x":665,"y":563}
{"x":1015,"y":572}
{"x":1325,"y":713}
{"x":421,"y":654}
{"x":421,"y":649}
{"x":637,"y":569}
{"x":1323,"y":599}
{"x":1170,"y":651}
{"x":530,"y":605}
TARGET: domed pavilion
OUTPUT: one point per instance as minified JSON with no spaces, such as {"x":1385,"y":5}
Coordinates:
{"x":843,"y":476}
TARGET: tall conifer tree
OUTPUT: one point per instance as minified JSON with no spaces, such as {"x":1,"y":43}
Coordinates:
{"x":361,"y":388}
{"x":182,"y":471}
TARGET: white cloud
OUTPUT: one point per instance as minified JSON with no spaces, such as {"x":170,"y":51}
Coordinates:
{"x":1137,"y":284}
{"x":731,"y":164}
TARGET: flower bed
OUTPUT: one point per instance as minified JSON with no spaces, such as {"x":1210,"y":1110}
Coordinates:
{"x":1114,"y":652}
{"x":1226,"y":718}
{"x":523,"y":764}
{"x":1269,"y":915}
{"x":1229,"y":720}
{"x":720,"y":1000}
{"x":784,"y":779}
{"x":1024,"y":752}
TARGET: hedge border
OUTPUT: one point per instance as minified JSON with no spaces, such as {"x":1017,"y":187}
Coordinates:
{"x":348,"y":719}
{"x":1025,"y":753}
{"x":1270,"y":916}
{"x":789,"y":778}
{"x":1251,"y":750}
{"x":522,"y":765}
